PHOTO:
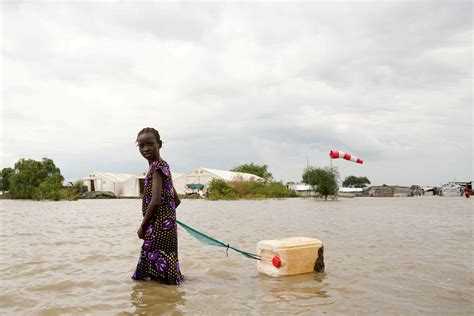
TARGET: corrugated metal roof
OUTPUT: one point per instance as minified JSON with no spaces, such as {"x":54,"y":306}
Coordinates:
{"x":300,"y":187}
{"x":350,"y":190}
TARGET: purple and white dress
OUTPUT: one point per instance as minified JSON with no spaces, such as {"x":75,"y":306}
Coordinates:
{"x":159,"y":254}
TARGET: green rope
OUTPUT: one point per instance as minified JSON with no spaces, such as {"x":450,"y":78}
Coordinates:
{"x":208,"y":240}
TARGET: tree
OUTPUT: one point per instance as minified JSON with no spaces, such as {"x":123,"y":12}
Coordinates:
{"x":5,"y":179}
{"x":35,"y":179}
{"x":323,"y":180}
{"x":258,"y":170}
{"x":355,"y":182}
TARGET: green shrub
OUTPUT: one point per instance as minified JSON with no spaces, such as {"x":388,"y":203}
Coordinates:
{"x":48,"y":189}
{"x":67,"y":193}
{"x":221,"y":190}
{"x":258,"y":190}
{"x":279,"y":190}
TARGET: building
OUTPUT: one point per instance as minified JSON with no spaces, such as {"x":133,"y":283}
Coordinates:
{"x":389,"y":191}
{"x":349,"y":192}
{"x":453,"y":189}
{"x":105,"y":181}
{"x":381,"y":191}
{"x":399,"y":191}
{"x":302,"y":189}
{"x":205,"y":175}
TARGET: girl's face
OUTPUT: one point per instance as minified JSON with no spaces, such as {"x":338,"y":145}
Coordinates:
{"x":148,"y":146}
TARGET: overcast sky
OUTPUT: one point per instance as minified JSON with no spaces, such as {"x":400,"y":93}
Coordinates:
{"x":273,"y":83}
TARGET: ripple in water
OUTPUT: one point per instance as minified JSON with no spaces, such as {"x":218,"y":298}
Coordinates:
{"x":393,"y":255}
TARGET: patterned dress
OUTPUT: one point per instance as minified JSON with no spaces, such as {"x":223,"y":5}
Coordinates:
{"x":159,"y":255}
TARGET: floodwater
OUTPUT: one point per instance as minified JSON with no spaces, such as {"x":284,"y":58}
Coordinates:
{"x":382,"y":256}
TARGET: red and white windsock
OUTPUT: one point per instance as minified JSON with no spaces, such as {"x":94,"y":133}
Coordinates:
{"x":340,"y":154}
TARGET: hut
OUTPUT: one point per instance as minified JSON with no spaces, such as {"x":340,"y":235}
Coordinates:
{"x":105,"y":181}
{"x":389,"y":191}
{"x":381,"y":191}
{"x":205,"y":175}
{"x":400,"y":191}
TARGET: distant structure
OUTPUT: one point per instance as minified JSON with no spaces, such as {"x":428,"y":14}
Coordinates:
{"x":381,"y":191}
{"x":302,"y":189}
{"x":129,"y":185}
{"x":349,"y":192}
{"x":400,"y":191}
{"x":134,"y":186}
{"x":455,"y":188}
{"x":105,"y":181}
{"x":449,"y":189}
{"x":205,"y":175}
{"x":388,"y":191}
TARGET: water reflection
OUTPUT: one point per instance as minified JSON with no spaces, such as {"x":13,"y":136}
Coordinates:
{"x":155,"y":298}
{"x":304,"y":286}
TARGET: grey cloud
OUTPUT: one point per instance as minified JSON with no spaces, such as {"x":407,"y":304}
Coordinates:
{"x":240,"y":82}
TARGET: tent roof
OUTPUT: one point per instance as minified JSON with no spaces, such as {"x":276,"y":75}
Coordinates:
{"x":114,"y":177}
{"x":142,"y":175}
{"x":176,"y":175}
{"x":231,"y":175}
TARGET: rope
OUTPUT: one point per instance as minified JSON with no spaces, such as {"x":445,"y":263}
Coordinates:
{"x":208,"y":240}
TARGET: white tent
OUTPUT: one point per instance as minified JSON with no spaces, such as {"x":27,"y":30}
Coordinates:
{"x":205,"y":175}
{"x":133,"y":187}
{"x":106,"y":181}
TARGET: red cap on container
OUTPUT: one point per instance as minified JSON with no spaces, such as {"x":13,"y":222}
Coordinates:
{"x":276,"y":262}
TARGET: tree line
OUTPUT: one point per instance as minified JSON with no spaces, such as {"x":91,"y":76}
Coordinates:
{"x":38,"y":180}
{"x":42,"y":180}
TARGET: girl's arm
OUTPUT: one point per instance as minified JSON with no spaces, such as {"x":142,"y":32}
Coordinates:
{"x":177,"y":201}
{"x":154,"y":203}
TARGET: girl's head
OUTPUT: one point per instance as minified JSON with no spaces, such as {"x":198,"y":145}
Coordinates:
{"x":149,"y":143}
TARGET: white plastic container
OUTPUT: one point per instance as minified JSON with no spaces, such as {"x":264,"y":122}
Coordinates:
{"x":289,"y":256}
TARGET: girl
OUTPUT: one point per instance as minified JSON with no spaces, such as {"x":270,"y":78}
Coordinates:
{"x":159,"y":255}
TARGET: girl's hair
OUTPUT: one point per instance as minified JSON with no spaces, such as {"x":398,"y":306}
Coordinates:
{"x":153,"y":131}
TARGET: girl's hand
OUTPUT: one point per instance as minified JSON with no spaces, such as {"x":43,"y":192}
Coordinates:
{"x":141,"y":232}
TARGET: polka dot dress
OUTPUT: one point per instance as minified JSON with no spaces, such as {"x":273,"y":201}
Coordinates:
{"x":159,"y":254}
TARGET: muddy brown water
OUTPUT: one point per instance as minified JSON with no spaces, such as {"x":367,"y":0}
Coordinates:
{"x":382,"y":256}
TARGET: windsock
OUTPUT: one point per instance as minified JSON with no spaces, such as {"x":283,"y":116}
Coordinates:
{"x":340,"y":154}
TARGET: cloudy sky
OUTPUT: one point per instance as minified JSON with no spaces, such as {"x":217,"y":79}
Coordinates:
{"x":274,"y":83}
